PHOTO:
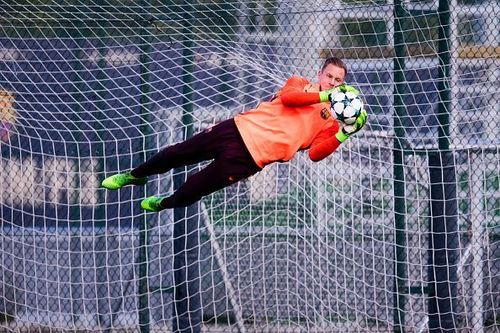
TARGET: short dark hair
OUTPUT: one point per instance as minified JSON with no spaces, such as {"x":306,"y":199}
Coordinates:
{"x":336,"y":62}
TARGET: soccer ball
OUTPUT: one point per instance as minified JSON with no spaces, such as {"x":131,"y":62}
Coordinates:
{"x":346,"y":106}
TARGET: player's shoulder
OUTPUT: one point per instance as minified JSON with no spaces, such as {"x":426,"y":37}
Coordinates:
{"x":299,"y":83}
{"x":297,"y":80}
{"x":311,"y":87}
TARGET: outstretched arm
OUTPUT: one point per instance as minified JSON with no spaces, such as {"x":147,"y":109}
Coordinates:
{"x":324,"y":144}
{"x":295,"y":94}
{"x":328,"y":140}
{"x":299,"y":98}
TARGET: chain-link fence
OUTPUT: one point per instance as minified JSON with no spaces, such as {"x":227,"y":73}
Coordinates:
{"x":397,"y":231}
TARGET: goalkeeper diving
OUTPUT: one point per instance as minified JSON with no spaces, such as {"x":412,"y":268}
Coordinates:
{"x":296,"y":118}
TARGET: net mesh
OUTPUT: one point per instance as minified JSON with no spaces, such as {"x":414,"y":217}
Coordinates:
{"x":396,"y":231}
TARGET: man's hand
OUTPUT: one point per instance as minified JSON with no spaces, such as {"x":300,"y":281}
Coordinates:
{"x":325,"y":96}
{"x":347,"y":88}
{"x":347,"y":130}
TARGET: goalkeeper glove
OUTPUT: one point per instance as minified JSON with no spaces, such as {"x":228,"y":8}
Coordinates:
{"x":347,"y":88}
{"x":325,"y":96}
{"x":347,"y":130}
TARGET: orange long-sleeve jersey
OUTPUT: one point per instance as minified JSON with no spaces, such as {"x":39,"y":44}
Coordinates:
{"x":293,"y":120}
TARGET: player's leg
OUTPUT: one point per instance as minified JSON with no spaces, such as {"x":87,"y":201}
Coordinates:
{"x":205,"y":145}
{"x":212,"y":178}
{"x":232,"y":166}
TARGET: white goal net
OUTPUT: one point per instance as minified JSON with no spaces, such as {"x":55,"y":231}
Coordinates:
{"x":397,"y":231}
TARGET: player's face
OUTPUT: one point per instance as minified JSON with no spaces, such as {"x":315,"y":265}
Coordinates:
{"x":331,"y":77}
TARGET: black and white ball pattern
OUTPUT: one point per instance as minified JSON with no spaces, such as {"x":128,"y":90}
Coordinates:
{"x":346,"y":107}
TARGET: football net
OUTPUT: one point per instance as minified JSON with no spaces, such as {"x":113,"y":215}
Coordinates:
{"x":396,"y":231}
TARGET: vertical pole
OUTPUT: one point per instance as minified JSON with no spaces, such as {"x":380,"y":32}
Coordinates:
{"x":443,"y":194}
{"x":187,"y":298}
{"x":398,"y":169}
{"x":443,"y":243}
{"x":145,"y":105}
{"x":104,"y":316}
{"x":444,"y":89}
{"x":76,"y":291}
{"x":477,"y":241}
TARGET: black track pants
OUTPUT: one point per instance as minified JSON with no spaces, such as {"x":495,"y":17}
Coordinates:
{"x":221,"y":143}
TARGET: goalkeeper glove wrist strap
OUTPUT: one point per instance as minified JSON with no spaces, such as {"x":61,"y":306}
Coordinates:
{"x":341,"y":136}
{"x":324,"y":96}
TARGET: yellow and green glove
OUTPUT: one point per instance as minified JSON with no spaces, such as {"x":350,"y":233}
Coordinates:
{"x":347,"y":130}
{"x":325,"y":96}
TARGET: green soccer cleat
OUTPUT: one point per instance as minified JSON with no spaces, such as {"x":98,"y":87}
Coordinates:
{"x":119,"y":180}
{"x":152,"y":204}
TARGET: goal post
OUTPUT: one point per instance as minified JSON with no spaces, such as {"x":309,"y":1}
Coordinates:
{"x":397,"y":231}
